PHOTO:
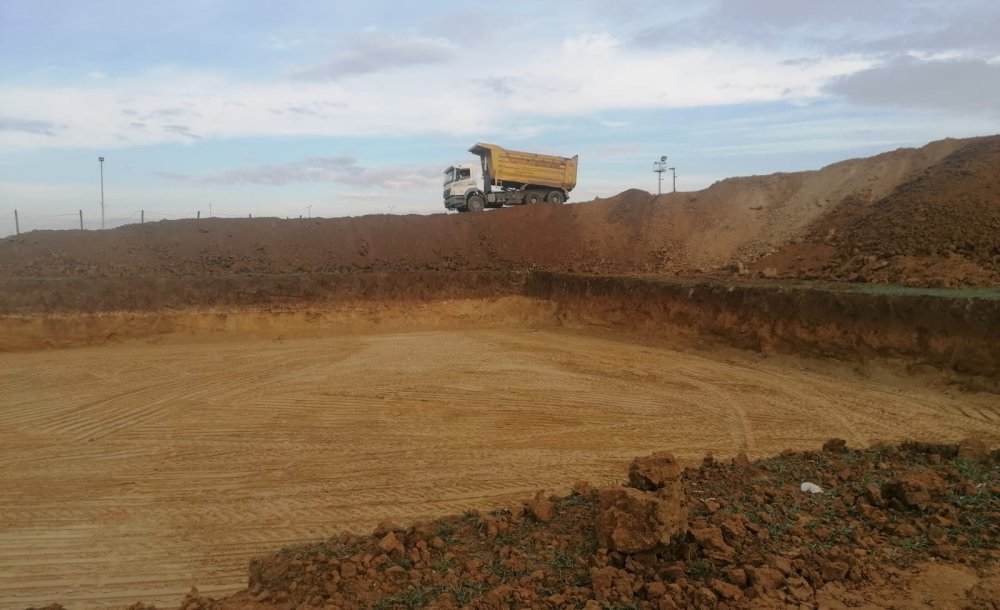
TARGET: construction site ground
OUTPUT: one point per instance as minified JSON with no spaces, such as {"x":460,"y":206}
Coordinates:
{"x":179,"y":398}
{"x":134,"y":471}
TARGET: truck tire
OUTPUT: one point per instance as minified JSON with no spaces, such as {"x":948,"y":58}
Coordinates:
{"x":556,"y":197}
{"x":475,"y":203}
{"x":532,"y":197}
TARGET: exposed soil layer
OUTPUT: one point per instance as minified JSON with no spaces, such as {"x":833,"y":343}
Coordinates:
{"x":952,"y":331}
{"x":130,"y":472}
{"x":269,"y":292}
{"x":955,"y":333}
{"x":934,"y":211}
{"x":941,"y":227}
{"x":912,"y":526}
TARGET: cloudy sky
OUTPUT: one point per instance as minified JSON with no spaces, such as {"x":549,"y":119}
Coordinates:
{"x":334,"y":107}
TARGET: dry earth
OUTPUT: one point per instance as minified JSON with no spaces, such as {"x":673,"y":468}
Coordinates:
{"x":134,"y":471}
{"x":927,"y":216}
{"x":302,"y":378}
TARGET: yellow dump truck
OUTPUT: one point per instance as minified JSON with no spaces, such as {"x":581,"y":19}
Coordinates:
{"x":507,"y":177}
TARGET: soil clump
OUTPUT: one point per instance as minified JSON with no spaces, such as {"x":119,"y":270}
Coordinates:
{"x":913,"y":524}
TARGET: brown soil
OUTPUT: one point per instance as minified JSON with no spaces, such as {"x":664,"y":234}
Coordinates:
{"x":940,"y":227}
{"x":933,"y":210}
{"x":912,"y":526}
{"x":254,"y":383}
{"x":133,"y":471}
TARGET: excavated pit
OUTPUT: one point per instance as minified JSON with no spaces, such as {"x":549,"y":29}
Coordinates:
{"x":200,"y":422}
{"x":179,"y":397}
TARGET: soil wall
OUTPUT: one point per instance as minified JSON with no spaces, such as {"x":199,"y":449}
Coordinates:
{"x":950,"y":333}
{"x":946,"y":331}
{"x":262,"y":292}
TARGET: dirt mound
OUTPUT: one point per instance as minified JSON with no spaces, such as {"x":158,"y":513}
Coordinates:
{"x":940,"y":228}
{"x":932,"y":209}
{"x":913,"y":525}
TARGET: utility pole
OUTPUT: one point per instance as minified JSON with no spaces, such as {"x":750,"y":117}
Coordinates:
{"x":673,"y":170}
{"x":17,"y":224}
{"x":81,"y":220}
{"x":660,"y":167}
{"x":101,"y":159}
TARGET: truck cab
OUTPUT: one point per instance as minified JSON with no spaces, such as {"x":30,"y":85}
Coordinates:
{"x":460,"y":181}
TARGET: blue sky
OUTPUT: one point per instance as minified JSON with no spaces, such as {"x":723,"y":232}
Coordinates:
{"x":267,"y":108}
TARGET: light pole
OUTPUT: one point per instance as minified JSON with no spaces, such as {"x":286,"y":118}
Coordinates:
{"x":660,"y":167}
{"x":101,"y":160}
{"x":673,"y":170}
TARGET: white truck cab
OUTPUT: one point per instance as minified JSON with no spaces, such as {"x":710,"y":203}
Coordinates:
{"x":460,"y":181}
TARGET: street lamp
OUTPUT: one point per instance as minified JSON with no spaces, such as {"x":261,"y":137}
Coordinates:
{"x":673,"y":170}
{"x":101,"y":160}
{"x":660,"y":167}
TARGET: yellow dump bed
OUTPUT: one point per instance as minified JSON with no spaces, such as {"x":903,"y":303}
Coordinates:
{"x":512,"y":168}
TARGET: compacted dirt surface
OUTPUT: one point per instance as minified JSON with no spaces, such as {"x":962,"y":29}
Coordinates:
{"x":133,"y":472}
{"x":180,"y":398}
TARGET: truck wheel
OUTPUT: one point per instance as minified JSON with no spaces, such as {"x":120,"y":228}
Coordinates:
{"x":533,"y":197}
{"x":476,"y":203}
{"x":556,"y":197}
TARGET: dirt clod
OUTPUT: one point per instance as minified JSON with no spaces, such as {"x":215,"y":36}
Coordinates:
{"x":654,"y":471}
{"x":915,"y":489}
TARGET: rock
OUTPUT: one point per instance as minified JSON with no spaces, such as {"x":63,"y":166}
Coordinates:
{"x":835,"y":445}
{"x":741,"y":460}
{"x":915,"y":488}
{"x":705,"y":598}
{"x":726,"y":590}
{"x":593,"y":604}
{"x":632,"y":521}
{"x":391,"y":544}
{"x":611,"y":583}
{"x":540,"y":507}
{"x":714,"y":546}
{"x":835,"y":570}
{"x":874,"y":496}
{"x":737,"y":576}
{"x":768,"y":579}
{"x":654,"y":471}
{"x":655,"y":590}
{"x":584,"y":490}
{"x":783,"y":565}
{"x":800,"y":589}
{"x":387,"y":527}
{"x":973,"y":450}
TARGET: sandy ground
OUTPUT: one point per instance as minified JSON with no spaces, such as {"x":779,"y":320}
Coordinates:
{"x":135,"y":471}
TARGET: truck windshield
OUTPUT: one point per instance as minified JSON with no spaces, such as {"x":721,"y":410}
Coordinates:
{"x":456,"y":173}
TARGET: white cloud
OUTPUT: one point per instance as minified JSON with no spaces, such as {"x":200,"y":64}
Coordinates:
{"x":342,"y":169}
{"x":478,"y":95}
{"x":379,"y":52}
